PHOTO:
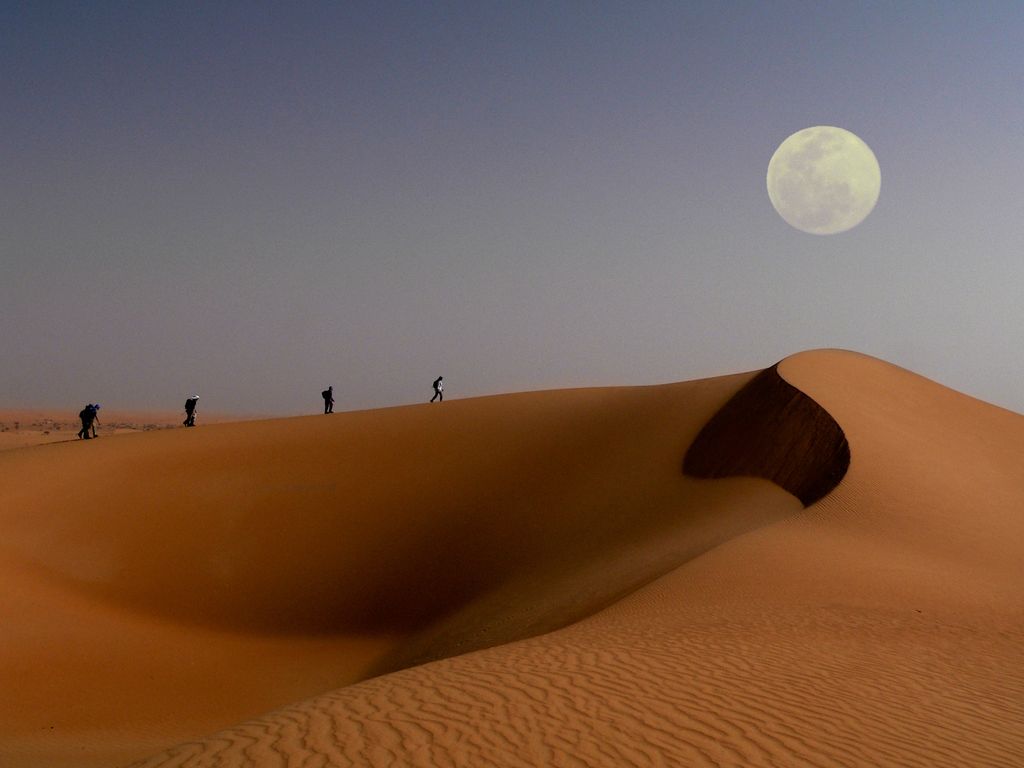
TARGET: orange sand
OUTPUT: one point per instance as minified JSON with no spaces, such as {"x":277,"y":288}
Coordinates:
{"x":23,"y":427}
{"x":586,"y":603}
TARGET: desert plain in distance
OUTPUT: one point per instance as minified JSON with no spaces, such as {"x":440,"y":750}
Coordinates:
{"x":518,"y":580}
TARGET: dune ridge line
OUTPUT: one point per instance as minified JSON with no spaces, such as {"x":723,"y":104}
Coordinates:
{"x":773,"y":430}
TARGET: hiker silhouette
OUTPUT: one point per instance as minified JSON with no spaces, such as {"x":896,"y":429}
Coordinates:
{"x":190,"y":411}
{"x":328,"y":396}
{"x":438,"y":389}
{"x":89,"y":418}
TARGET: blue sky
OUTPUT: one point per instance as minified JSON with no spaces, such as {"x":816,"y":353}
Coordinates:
{"x":255,"y":201}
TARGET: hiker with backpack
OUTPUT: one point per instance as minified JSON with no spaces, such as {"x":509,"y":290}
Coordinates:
{"x":328,"y":396}
{"x":438,"y":389}
{"x":89,"y":418}
{"x":190,"y":411}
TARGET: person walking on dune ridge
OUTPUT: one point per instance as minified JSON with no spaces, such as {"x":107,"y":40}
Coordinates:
{"x":190,"y":411}
{"x":438,"y":389}
{"x":89,"y":417}
{"x":328,"y":396}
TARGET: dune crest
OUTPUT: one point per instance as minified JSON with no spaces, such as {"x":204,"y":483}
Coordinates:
{"x":771,"y":429}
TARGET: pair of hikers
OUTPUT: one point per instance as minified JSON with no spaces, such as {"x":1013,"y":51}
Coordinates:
{"x":328,"y":394}
{"x":90,"y":418}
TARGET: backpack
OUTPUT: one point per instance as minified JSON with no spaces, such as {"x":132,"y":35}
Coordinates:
{"x":326,"y":394}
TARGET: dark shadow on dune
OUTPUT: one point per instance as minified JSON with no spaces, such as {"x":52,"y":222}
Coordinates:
{"x":49,"y":442}
{"x":770,"y":429}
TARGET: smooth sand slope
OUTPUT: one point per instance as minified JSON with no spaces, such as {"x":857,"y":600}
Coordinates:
{"x":227,"y":571}
{"x":157,"y":587}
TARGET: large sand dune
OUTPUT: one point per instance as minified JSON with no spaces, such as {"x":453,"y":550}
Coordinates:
{"x":521,"y":580}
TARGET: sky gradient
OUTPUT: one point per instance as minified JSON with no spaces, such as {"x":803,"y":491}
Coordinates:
{"x":255,"y":201}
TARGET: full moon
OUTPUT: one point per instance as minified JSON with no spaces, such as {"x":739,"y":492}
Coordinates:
{"x":824,"y":180}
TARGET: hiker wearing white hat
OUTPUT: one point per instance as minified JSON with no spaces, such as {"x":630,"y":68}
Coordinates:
{"x":190,"y":411}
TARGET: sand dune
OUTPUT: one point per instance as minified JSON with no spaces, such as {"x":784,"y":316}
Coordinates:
{"x":534,"y":580}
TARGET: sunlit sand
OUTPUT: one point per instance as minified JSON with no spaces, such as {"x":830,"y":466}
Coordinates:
{"x":522,"y":580}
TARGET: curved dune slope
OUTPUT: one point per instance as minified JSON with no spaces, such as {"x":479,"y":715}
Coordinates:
{"x":160,"y":586}
{"x":881,"y":626}
{"x":771,"y":429}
